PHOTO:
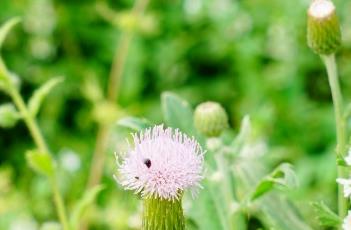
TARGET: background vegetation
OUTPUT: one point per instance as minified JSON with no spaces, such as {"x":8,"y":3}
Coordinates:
{"x":251,"y":56}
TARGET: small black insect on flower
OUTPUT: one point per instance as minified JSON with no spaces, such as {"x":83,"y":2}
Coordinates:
{"x":147,"y":162}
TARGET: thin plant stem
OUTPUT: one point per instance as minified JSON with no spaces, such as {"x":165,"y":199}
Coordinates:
{"x":43,"y":149}
{"x":29,"y":120}
{"x":341,"y":133}
{"x":98,"y":159}
{"x":118,"y":66}
{"x":121,"y":54}
{"x":115,"y":77}
{"x":60,"y":206}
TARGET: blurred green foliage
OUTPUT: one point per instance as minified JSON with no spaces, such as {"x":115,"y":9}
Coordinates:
{"x":250,"y":55}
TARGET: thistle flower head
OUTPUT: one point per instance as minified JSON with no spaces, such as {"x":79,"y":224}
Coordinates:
{"x":162,"y":164}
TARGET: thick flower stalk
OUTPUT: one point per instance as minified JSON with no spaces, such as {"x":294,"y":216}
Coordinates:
{"x":324,"y":38}
{"x":162,"y":164}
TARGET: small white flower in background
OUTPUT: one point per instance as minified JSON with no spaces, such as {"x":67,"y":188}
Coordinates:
{"x":26,"y":223}
{"x":348,"y":158}
{"x":347,"y":186}
{"x":347,"y":222}
{"x":346,"y":182}
{"x":162,"y":164}
{"x":69,"y":160}
{"x":52,"y":225}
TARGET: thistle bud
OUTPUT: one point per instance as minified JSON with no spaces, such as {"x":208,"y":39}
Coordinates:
{"x":323,"y":29}
{"x":210,"y":119}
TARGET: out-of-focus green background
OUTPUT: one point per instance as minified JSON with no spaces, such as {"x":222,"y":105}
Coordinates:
{"x":249,"y":55}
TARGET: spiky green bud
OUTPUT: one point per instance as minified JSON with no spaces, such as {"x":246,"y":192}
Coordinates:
{"x":323,"y":29}
{"x":210,"y":119}
{"x":163,"y":214}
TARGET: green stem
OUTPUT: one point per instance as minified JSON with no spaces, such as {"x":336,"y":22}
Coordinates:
{"x":29,"y":120}
{"x":163,"y":214}
{"x":341,"y":133}
{"x":60,"y":206}
{"x":115,"y":77}
{"x":42,"y":146}
{"x":98,"y":160}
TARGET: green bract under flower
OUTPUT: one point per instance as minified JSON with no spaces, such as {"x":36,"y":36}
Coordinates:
{"x":323,"y":29}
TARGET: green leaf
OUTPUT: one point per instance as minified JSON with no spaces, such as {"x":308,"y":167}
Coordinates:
{"x":263,"y":187}
{"x":4,"y":77}
{"x":283,"y":176}
{"x":134,"y":123}
{"x":2,"y":72}
{"x":87,"y":199}
{"x":177,"y":113}
{"x":340,"y":161}
{"x":281,"y":214}
{"x":40,"y":94}
{"x":245,"y":130}
{"x":277,"y":211}
{"x":243,"y":135}
{"x":41,"y":163}
{"x":207,"y":211}
{"x":6,"y":28}
{"x":217,"y":206}
{"x":325,"y":216}
{"x":8,"y":115}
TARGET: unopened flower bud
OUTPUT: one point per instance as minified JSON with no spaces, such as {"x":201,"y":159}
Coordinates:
{"x":210,"y":119}
{"x":323,"y":29}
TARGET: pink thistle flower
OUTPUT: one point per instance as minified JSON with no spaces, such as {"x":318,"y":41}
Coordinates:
{"x":162,"y":164}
